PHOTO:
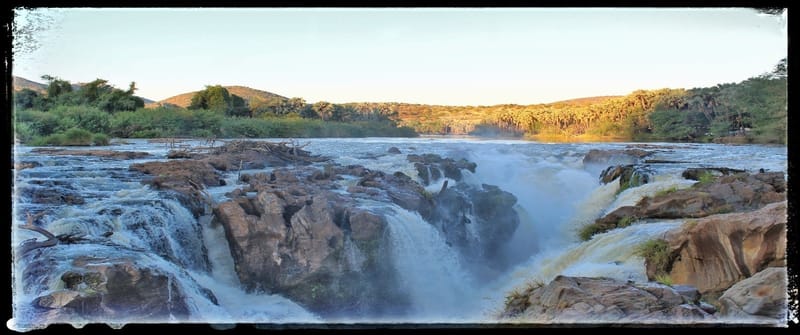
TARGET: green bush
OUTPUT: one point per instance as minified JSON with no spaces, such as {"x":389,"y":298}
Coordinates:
{"x":626,"y":221}
{"x":24,"y":132}
{"x":656,"y":252}
{"x":706,"y":178}
{"x":586,"y":232}
{"x":100,"y":139}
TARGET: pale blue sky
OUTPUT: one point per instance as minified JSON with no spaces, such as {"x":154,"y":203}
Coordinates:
{"x":435,"y":56}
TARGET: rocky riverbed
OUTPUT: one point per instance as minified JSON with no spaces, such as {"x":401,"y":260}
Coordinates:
{"x":729,"y":255}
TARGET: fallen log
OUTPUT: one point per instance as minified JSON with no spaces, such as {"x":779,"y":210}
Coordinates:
{"x":35,"y":244}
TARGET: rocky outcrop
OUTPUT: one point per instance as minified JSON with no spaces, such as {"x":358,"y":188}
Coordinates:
{"x":186,"y":178}
{"x":94,"y":153}
{"x":112,"y":289}
{"x":733,"y":193}
{"x":715,"y":252}
{"x":615,"y":156}
{"x":696,"y":173}
{"x":49,"y":192}
{"x":289,"y":232}
{"x":760,"y":298}
{"x":628,"y":175}
{"x":602,"y":300}
{"x":432,"y":167}
{"x":476,"y":220}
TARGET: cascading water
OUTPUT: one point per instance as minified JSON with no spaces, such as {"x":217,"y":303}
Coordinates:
{"x":556,"y":195}
{"x":430,"y":271}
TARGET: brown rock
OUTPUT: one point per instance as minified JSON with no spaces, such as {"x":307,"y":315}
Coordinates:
{"x":762,"y":296}
{"x":715,"y":252}
{"x":598,"y":300}
{"x":732,"y":193}
{"x":366,"y":226}
{"x":56,"y":299}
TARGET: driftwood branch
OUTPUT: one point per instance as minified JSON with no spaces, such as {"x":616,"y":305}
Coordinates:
{"x":34,"y":244}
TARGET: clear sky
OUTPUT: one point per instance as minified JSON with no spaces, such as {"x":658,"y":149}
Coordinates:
{"x":434,"y":56}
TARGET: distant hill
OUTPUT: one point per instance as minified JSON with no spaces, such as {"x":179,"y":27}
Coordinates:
{"x":247,"y":93}
{"x":22,"y":83}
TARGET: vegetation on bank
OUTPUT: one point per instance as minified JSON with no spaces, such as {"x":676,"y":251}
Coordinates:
{"x":752,"y":111}
{"x":93,"y":112}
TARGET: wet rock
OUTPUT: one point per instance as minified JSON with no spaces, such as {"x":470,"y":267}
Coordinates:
{"x":762,"y":297}
{"x":187,"y":178}
{"x":488,"y":209}
{"x":95,"y":153}
{"x":715,"y":252}
{"x":260,"y":154}
{"x":120,"y":289}
{"x":394,"y":150}
{"x":695,"y":173}
{"x":52,"y":196}
{"x":615,"y":156}
{"x":432,"y":167}
{"x":56,"y":299}
{"x":366,"y":226}
{"x":628,"y":175}
{"x":601,"y":300}
{"x":295,"y":237}
{"x":25,"y":165}
{"x":176,"y":154}
{"x":178,"y":174}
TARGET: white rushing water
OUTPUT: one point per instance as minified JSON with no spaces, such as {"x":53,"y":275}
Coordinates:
{"x":556,"y":196}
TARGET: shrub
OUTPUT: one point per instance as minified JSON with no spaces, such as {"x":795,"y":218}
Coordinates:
{"x":100,"y":139}
{"x":588,"y":231}
{"x":626,"y":221}
{"x":24,"y":132}
{"x":656,"y":253}
{"x":706,"y":178}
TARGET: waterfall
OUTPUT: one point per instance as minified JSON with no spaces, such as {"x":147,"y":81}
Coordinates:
{"x":429,"y":270}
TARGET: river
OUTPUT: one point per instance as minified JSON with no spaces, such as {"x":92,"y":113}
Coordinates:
{"x":557,"y":193}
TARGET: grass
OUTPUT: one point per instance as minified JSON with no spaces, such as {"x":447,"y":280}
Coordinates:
{"x":666,"y":191}
{"x":664,"y":279}
{"x":656,"y":252}
{"x":626,"y":221}
{"x":517,"y":300}
{"x":588,"y":231}
{"x":706,"y":178}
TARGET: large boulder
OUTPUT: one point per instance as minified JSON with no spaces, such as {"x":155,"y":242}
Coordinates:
{"x":476,"y":220}
{"x":112,"y":290}
{"x":715,"y":252}
{"x":629,"y":175}
{"x":432,"y":167}
{"x":760,"y":298}
{"x":289,"y":233}
{"x":601,"y":300}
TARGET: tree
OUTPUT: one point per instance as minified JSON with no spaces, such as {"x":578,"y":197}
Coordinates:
{"x":217,"y":98}
{"x":324,"y":109}
{"x":27,"y":99}
{"x":56,"y":86}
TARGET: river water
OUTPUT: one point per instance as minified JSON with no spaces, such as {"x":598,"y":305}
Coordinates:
{"x":557,"y":194}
